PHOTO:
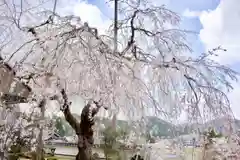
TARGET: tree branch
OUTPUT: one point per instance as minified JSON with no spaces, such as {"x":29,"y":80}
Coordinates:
{"x":68,"y":115}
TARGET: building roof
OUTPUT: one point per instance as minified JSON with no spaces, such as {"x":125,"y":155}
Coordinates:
{"x":54,"y":137}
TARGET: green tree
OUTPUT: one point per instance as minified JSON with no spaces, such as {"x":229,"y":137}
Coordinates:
{"x":111,"y":145}
{"x":149,"y":138}
{"x":210,"y":135}
{"x":62,"y":127}
{"x":59,"y":125}
{"x":123,"y":133}
{"x":110,"y":136}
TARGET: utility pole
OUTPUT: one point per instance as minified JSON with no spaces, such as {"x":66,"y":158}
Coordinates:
{"x":115,"y":48}
{"x":115,"y":25}
{"x":40,"y":153}
{"x":114,"y":119}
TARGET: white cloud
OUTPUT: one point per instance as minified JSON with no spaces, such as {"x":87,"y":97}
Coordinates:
{"x":221,"y":27}
{"x":93,"y":15}
{"x":87,"y":12}
{"x":191,"y":14}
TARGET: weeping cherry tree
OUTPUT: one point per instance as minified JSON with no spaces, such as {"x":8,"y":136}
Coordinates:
{"x":154,"y":72}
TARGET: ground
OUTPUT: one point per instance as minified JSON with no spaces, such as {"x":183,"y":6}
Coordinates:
{"x":57,"y":157}
{"x":189,"y":154}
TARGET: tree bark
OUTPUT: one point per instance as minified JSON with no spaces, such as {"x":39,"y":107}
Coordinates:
{"x":84,"y":151}
{"x":83,"y":129}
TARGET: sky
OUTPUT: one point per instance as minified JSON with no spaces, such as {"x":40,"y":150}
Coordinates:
{"x":216,"y":22}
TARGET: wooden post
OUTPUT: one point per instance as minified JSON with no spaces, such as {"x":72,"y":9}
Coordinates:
{"x":40,"y":153}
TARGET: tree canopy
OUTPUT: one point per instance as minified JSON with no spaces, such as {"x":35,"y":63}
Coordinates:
{"x":153,"y":72}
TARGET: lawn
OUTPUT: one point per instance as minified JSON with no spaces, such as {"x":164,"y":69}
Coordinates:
{"x":192,"y":154}
{"x":61,"y":157}
{"x":189,"y":154}
{"x":56,"y":157}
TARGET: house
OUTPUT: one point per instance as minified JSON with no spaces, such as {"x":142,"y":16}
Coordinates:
{"x":189,"y":139}
{"x":55,"y":138}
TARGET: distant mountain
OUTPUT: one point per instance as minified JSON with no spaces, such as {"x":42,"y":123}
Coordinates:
{"x":222,"y":124}
{"x":219,"y":124}
{"x":155,"y":126}
{"x":161,"y":128}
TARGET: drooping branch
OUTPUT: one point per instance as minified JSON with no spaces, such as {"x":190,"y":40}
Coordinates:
{"x":150,"y":69}
{"x":193,"y":70}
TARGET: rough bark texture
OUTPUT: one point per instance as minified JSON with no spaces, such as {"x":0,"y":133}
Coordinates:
{"x":83,"y":129}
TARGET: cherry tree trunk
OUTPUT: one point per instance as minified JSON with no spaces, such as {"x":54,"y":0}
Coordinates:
{"x":83,"y":129}
{"x":85,"y":142}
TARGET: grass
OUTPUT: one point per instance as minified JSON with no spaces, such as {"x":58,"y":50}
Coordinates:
{"x":62,"y":157}
{"x":56,"y":157}
{"x":192,"y":154}
{"x":188,"y":152}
